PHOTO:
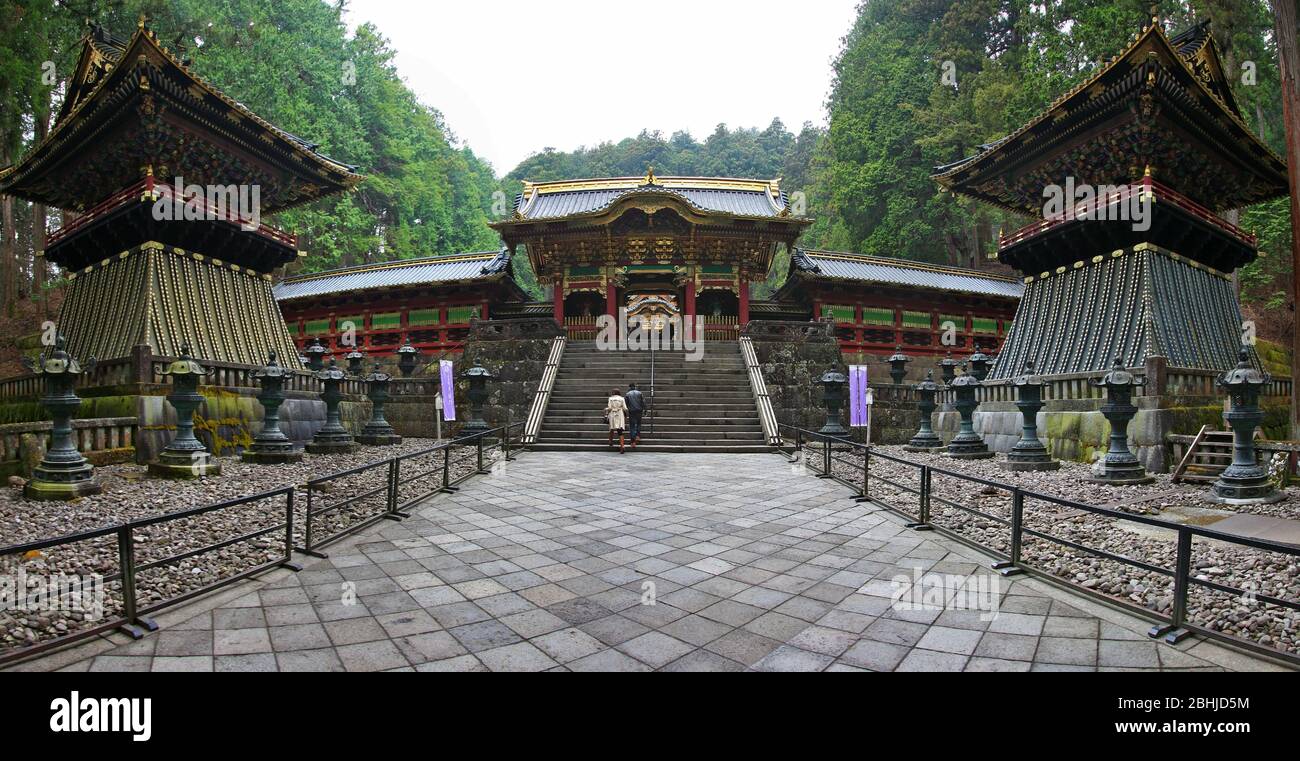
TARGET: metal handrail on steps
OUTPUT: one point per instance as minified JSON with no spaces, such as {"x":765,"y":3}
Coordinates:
{"x":771,"y":431}
{"x":543,"y":398}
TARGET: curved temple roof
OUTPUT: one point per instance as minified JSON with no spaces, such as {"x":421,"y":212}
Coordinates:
{"x":116,"y":83}
{"x":433,"y":270}
{"x":1178,"y":81}
{"x":832,"y":265}
{"x":733,"y":197}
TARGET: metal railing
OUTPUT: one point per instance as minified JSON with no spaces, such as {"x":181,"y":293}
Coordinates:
{"x":136,"y":588}
{"x":771,"y":430}
{"x":543,"y":398}
{"x":930,"y":511}
{"x":129,"y":609}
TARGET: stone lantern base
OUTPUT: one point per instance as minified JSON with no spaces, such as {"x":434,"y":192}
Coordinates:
{"x":912,"y":447}
{"x":1023,"y":466}
{"x":184,"y":465}
{"x":969,"y":455}
{"x":968,"y":449}
{"x":272,"y":454}
{"x":332,"y":443}
{"x":1247,"y":490}
{"x":1123,"y":474}
{"x":379,"y":439}
{"x":1028,"y":459}
{"x":62,"y":485}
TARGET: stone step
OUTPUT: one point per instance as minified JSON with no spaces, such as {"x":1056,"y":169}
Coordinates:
{"x":661,"y":396}
{"x":563,"y":433}
{"x":644,"y":448}
{"x":572,"y":421}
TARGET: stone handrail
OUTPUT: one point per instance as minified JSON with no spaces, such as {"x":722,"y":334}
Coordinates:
{"x":90,"y":435}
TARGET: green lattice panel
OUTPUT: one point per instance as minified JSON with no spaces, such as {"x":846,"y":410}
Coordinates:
{"x":359,"y":321}
{"x":292,"y":326}
{"x":317,"y":327}
{"x":840,"y":312}
{"x":461,"y":315}
{"x":956,"y":319}
{"x":984,"y":325}
{"x":418,"y":318}
{"x":872,"y":316}
{"x":584,"y":271}
{"x":916,"y":320}
{"x":717,"y":269}
{"x":386,"y":321}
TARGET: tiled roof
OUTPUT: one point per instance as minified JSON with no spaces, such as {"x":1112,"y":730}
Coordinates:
{"x":742,"y":198}
{"x":411,"y":272}
{"x":876,"y":269}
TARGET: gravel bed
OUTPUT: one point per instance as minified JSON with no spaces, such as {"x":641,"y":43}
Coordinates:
{"x":1257,"y":571}
{"x":129,"y":495}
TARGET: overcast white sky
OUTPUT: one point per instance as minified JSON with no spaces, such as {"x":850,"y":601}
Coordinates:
{"x":514,"y":77}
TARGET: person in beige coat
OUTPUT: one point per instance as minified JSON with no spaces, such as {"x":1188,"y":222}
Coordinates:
{"x":615,"y":414}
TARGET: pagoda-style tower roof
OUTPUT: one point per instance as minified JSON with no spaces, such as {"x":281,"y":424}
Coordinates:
{"x":1162,"y":104}
{"x":132,"y":107}
{"x":607,"y":221}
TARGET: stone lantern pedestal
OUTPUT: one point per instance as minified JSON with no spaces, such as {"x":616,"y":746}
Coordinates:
{"x":833,"y":383}
{"x":378,"y":432}
{"x":1029,"y":454}
{"x":332,"y":438}
{"x":63,"y":474}
{"x":270,"y":446}
{"x":1120,"y":466}
{"x":1245,"y":481}
{"x":185,"y":456}
{"x":926,"y":440}
{"x":967,"y":444}
{"x":478,"y":394}
{"x":898,"y":365}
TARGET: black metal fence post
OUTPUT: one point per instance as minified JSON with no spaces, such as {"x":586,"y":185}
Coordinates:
{"x":133,"y":624}
{"x":447,"y":488}
{"x":866,"y":472}
{"x":1011,"y":567}
{"x":394,"y":475}
{"x":923,"y":517}
{"x":288,"y":532}
{"x":1173,"y":632}
{"x":479,"y":445}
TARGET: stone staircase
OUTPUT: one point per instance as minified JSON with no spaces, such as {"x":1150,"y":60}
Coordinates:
{"x":704,"y":406}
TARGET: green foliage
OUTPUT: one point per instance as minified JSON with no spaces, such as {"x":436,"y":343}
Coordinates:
{"x":893,"y":116}
{"x":741,"y":152}
{"x":294,"y":63}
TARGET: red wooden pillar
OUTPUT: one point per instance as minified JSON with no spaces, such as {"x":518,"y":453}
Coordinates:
{"x":611,"y":300}
{"x":689,"y":298}
{"x":557,"y":295}
{"x":744,"y":302}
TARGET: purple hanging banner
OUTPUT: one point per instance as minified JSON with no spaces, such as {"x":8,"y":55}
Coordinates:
{"x":858,"y":396}
{"x":448,"y":389}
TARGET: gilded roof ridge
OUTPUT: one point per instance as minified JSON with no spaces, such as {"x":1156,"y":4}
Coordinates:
{"x":531,"y":189}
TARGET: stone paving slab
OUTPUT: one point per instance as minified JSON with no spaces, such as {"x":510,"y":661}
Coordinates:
{"x":673,"y":562}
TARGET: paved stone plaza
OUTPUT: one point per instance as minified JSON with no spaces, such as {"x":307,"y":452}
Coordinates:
{"x":543,"y":565}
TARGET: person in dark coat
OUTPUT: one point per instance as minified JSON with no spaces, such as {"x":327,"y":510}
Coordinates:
{"x":635,"y":410}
